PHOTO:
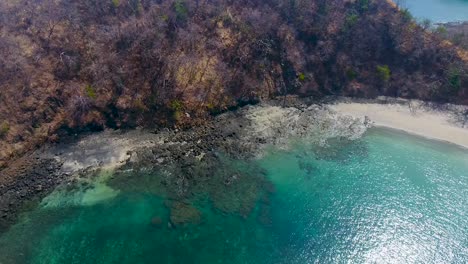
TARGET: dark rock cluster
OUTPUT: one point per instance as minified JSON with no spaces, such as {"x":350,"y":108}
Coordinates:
{"x":213,"y":162}
{"x":24,"y":184}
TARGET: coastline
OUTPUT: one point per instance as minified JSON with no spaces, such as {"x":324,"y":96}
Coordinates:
{"x":448,"y":123}
{"x":241,"y":134}
{"x":238,"y":135}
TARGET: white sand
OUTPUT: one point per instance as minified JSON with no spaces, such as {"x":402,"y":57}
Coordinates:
{"x":413,"y":117}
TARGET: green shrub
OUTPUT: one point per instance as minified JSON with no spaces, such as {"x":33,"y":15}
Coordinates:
{"x":351,"y":20}
{"x":441,"y":30}
{"x":140,"y":7}
{"x":90,"y":92}
{"x":406,"y":14}
{"x":454,"y":79}
{"x":323,"y":9}
{"x":383,"y":71}
{"x":116,"y":3}
{"x":210,"y":106}
{"x":301,"y":77}
{"x":176,"y":106}
{"x":165,"y":18}
{"x":139,"y":105}
{"x":351,"y":74}
{"x":426,"y":23}
{"x":4,"y":128}
{"x":181,"y":10}
{"x":363,"y":5}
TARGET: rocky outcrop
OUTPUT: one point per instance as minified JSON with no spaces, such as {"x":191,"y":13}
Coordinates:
{"x":181,"y":164}
{"x":25,"y":183}
{"x":215,"y":160}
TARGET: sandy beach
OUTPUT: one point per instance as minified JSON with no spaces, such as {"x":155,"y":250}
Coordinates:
{"x":447,"y":123}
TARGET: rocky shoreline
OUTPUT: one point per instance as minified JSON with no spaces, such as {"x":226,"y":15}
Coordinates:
{"x":191,"y":161}
{"x":24,"y":183}
{"x":194,"y":161}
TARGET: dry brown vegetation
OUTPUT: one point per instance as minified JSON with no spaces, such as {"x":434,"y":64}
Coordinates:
{"x":457,"y":33}
{"x":68,"y":66}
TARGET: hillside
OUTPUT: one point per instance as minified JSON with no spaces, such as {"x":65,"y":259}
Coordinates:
{"x":70,"y":66}
{"x":456,"y":32}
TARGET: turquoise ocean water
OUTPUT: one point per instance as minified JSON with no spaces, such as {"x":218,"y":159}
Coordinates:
{"x":386,"y":198}
{"x":438,"y":10}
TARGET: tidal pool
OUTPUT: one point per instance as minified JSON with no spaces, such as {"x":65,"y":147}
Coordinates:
{"x":386,"y":198}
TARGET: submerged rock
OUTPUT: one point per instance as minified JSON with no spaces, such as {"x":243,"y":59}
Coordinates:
{"x":183,"y":213}
{"x":191,"y":163}
{"x":156,"y":221}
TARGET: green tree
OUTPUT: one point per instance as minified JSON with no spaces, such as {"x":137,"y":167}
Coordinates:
{"x":363,"y":5}
{"x":454,"y":79}
{"x":4,"y":128}
{"x":90,"y":92}
{"x":384,"y":73}
{"x":351,"y":74}
{"x":406,"y":14}
{"x":351,"y":20}
{"x":181,"y":10}
{"x":176,"y":106}
{"x":116,"y":3}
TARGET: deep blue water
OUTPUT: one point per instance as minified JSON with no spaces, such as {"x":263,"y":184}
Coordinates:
{"x":386,"y":198}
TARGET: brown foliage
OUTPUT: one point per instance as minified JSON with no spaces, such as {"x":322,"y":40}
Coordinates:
{"x":85,"y":65}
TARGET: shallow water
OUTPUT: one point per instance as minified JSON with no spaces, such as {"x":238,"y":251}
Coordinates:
{"x":438,"y":10}
{"x":386,"y":198}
